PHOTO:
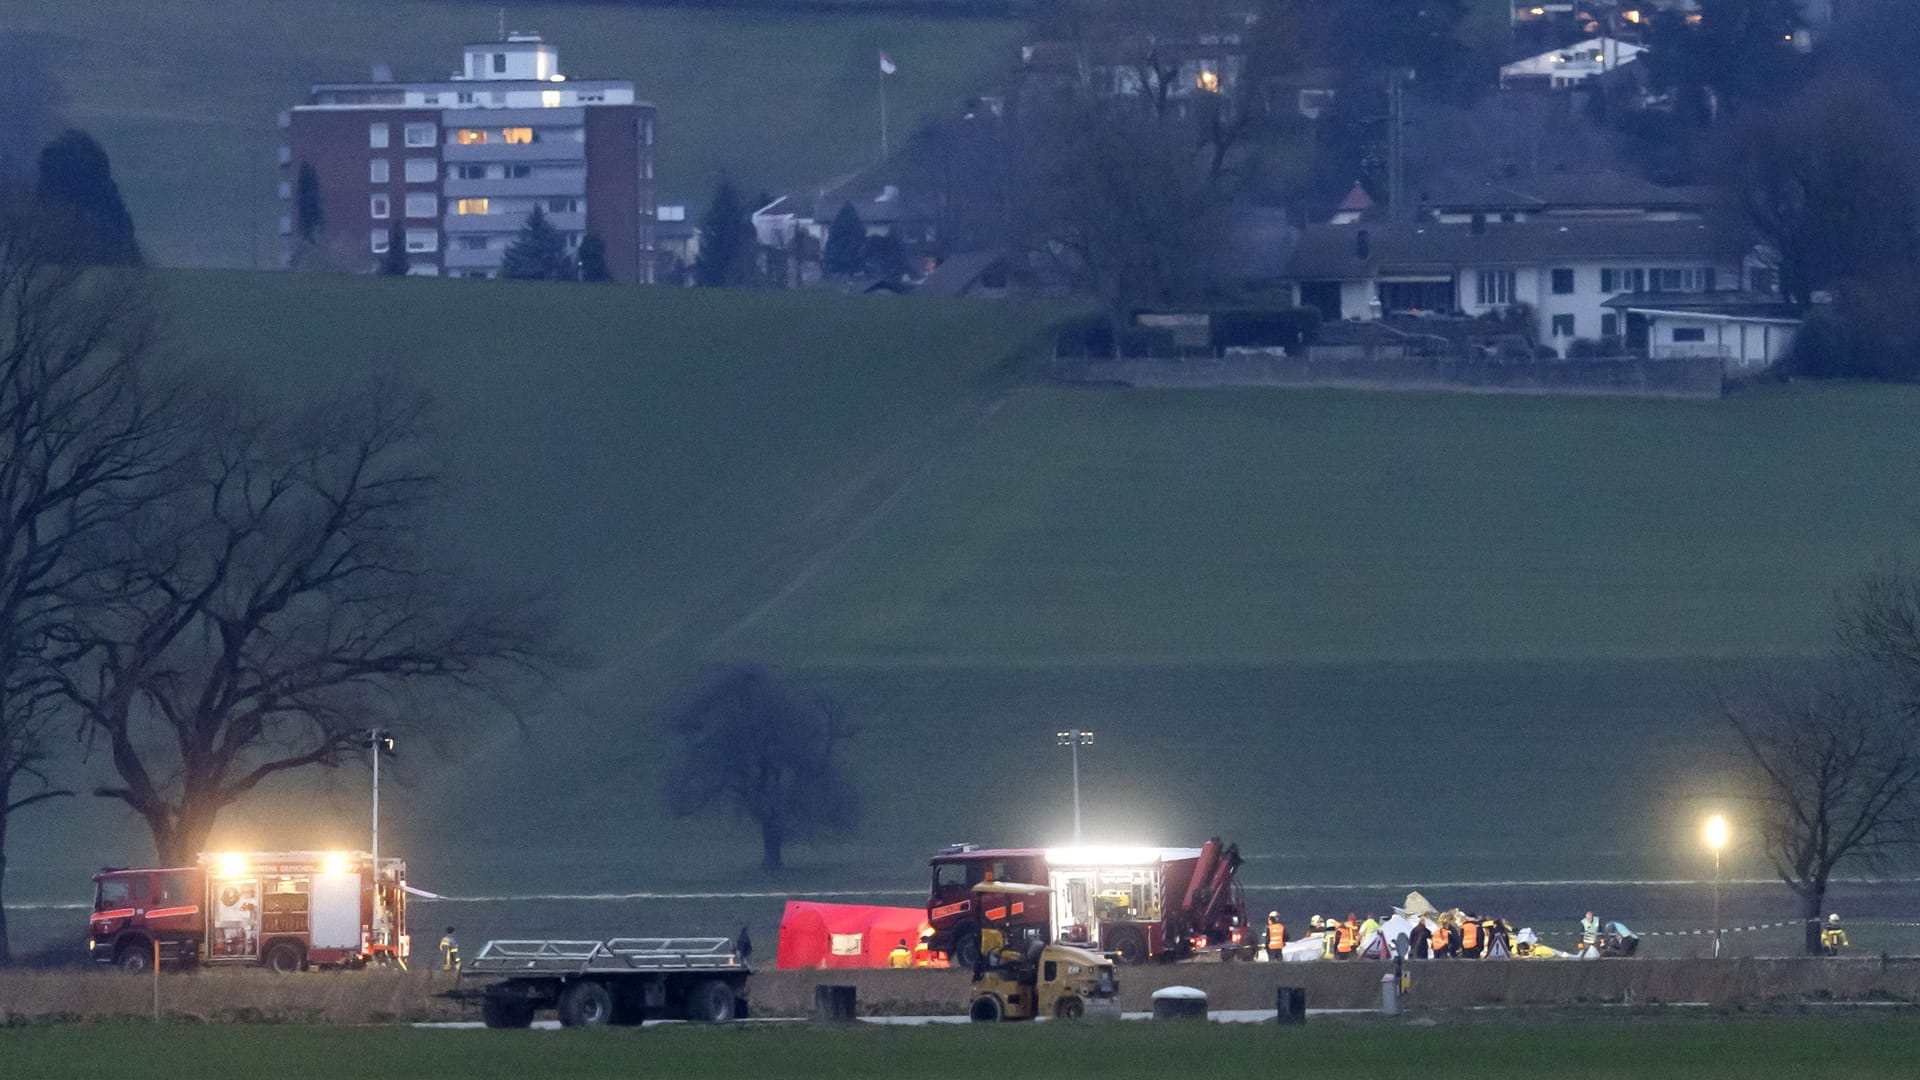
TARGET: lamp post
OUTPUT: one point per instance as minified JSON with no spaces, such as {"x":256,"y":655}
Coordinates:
{"x":1716,"y":836}
{"x":1074,"y":739}
{"x":380,"y":742}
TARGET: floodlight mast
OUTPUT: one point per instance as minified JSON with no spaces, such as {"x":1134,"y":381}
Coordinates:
{"x":1074,"y":739}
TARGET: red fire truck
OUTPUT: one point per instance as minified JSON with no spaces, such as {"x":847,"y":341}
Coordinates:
{"x":1136,"y":902}
{"x":284,"y":910}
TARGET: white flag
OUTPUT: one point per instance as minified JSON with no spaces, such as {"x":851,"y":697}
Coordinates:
{"x":886,"y":63}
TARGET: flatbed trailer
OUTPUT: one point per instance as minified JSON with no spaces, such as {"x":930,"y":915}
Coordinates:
{"x":617,"y":981}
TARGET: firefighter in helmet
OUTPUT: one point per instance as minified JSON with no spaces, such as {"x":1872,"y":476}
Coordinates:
{"x":1833,"y":937}
{"x":449,"y":951}
{"x":1276,"y":935}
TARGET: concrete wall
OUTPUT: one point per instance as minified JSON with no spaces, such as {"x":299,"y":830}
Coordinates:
{"x":1679,"y":377}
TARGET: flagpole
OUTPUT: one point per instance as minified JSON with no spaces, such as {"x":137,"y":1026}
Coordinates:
{"x":883,"y":114}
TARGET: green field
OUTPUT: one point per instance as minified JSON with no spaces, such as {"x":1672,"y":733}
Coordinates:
{"x":184,"y":96}
{"x":1374,"y":638}
{"x":1736,"y":1049}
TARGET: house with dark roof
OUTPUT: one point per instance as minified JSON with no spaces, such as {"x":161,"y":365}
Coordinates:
{"x":1566,"y":270}
{"x":1599,"y":194}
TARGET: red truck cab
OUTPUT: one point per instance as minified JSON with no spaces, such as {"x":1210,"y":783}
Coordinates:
{"x":134,"y":909}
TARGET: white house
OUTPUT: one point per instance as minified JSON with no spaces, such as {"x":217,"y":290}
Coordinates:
{"x":1566,"y":271}
{"x":1558,"y":69}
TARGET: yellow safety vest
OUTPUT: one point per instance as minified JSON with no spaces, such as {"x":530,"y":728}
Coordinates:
{"x":1276,"y":933}
{"x":899,"y":958}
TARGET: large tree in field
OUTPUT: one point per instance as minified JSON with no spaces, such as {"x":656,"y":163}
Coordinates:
{"x":727,"y":242}
{"x":83,"y":440}
{"x":747,"y":741}
{"x":285,"y":595}
{"x":76,"y":182}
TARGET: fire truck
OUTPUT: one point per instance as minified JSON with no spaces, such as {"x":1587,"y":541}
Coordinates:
{"x":1134,"y":902}
{"x":282,"y":910}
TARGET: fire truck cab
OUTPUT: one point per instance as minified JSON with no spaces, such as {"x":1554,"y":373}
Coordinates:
{"x":283,"y":910}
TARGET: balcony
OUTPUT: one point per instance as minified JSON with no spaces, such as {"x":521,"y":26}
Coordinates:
{"x":504,"y":223}
{"x":528,"y":186}
{"x":461,"y":259}
{"x":516,"y":153}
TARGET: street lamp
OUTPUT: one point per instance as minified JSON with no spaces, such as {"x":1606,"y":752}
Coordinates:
{"x":380,"y":742}
{"x":1716,"y":835}
{"x":1074,"y":739}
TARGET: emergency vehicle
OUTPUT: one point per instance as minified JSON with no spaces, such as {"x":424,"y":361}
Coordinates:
{"x":1134,"y":902}
{"x":283,"y":910}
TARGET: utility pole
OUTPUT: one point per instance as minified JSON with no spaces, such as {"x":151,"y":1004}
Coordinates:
{"x":1396,"y":142}
{"x":380,"y":742}
{"x":1074,"y":739}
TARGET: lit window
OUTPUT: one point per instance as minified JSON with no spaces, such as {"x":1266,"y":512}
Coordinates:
{"x":423,"y":240}
{"x":422,"y":170}
{"x":420,"y":134}
{"x":377,"y":136}
{"x":380,"y":206}
{"x":381,"y":241}
{"x":550,"y":99}
{"x":467,"y":207}
{"x":377,"y":170}
{"x":423,"y":206}
{"x":471,"y":137}
{"x":519,"y":136}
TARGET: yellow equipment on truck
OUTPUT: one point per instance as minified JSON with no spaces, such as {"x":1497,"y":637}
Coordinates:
{"x":1020,"y":976}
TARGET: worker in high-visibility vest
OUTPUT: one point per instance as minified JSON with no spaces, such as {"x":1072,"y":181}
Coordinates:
{"x":1833,"y":937}
{"x":1276,"y":935}
{"x":923,"y":953}
{"x":901,"y":956}
{"x":1346,"y":937}
{"x":449,"y":951}
{"x":1367,"y":930}
{"x":1442,"y":943}
{"x":1324,"y":927}
{"x":1589,"y":931}
{"x":1470,"y":938}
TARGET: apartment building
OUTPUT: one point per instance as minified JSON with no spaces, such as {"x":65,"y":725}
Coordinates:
{"x":460,"y":163}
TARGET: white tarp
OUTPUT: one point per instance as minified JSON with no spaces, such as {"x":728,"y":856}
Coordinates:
{"x":1310,"y":947}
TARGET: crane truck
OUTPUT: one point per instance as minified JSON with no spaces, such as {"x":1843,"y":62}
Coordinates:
{"x":1137,"y":903}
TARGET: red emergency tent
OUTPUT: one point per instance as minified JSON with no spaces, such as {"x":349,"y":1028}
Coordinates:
{"x":844,"y":935}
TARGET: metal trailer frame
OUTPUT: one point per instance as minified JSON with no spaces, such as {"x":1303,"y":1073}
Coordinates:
{"x":617,"y":981}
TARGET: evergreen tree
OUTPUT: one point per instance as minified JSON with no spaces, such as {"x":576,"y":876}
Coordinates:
{"x":886,"y":258}
{"x":306,"y":204}
{"x":394,"y":262}
{"x":76,"y":179}
{"x":539,"y":253}
{"x":727,"y":241}
{"x":593,"y":259}
{"x":846,"y":251}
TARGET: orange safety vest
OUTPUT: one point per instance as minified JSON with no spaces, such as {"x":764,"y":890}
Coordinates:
{"x":1276,"y":933}
{"x":1469,"y":935}
{"x":1440,"y":936}
{"x":1344,"y":938}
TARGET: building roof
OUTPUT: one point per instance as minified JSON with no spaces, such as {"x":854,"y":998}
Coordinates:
{"x":1334,"y":251}
{"x":1734,"y":305}
{"x":958,"y":272}
{"x":1603,"y":190}
{"x":1576,"y":60}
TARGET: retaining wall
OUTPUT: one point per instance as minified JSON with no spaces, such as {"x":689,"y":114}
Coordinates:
{"x":1684,"y":377}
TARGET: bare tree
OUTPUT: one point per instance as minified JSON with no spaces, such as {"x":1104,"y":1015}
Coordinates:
{"x":747,"y":741}
{"x":283,"y":597}
{"x":80,"y":439}
{"x":1832,"y":769}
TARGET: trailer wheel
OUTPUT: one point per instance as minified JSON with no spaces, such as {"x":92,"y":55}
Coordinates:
{"x":506,"y":1011}
{"x":586,"y":1004}
{"x":135,"y":958}
{"x":1129,"y":944}
{"x":987,"y":1009}
{"x":284,"y":958}
{"x":966,"y":945}
{"x":710,"y":1002}
{"x":1069,"y":1008}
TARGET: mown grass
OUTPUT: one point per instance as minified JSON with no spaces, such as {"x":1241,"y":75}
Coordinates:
{"x":1744,"y":1049}
{"x":184,"y":96}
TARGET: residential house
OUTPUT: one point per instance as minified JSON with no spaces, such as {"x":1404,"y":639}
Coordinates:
{"x":460,"y":163}
{"x":1566,"y":196}
{"x":884,"y":209}
{"x":1565,"y":270}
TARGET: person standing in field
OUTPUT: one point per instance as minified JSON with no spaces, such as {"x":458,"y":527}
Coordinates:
{"x":901,"y":956}
{"x":1589,"y":931}
{"x":449,"y":951}
{"x":1276,"y":935}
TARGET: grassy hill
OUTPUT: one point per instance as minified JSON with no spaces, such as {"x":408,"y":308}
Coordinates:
{"x":1324,"y":624}
{"x":184,"y":96}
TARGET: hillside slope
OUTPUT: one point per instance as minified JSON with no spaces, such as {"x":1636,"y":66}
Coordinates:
{"x":184,"y":96}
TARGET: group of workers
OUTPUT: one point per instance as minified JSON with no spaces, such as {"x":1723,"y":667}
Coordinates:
{"x":1448,"y":935}
{"x":921,"y":955}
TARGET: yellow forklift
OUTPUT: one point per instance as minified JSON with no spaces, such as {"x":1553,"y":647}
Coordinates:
{"x":1020,"y":978}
